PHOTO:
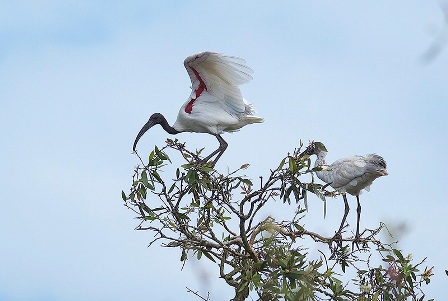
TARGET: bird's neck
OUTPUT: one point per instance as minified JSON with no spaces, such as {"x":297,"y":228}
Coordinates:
{"x":320,"y":159}
{"x":168,"y":128}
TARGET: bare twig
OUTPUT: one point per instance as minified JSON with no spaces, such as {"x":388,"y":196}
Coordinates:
{"x":197,"y":294}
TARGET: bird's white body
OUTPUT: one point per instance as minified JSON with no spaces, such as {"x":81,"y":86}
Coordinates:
{"x":216,"y":104}
{"x":351,"y":174}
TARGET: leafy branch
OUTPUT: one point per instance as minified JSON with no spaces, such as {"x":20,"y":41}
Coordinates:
{"x":212,"y":215}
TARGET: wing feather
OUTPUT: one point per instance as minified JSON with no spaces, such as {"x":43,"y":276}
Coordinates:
{"x":222,"y":76}
{"x":358,"y":172}
{"x":347,"y":171}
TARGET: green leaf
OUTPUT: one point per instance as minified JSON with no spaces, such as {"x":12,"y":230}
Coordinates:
{"x":389,"y":258}
{"x":142,"y":191}
{"x":123,"y":196}
{"x":206,"y":168}
{"x":376,"y":296}
{"x":317,"y":168}
{"x":283,"y":263}
{"x":243,"y":286}
{"x":172,"y":188}
{"x":256,"y":278}
{"x":187,"y":166}
{"x":281,"y":164}
{"x":182,"y":215}
{"x":296,"y":191}
{"x":163,"y":156}
{"x":156,"y":149}
{"x":247,"y":182}
{"x":151,"y":157}
{"x":145,"y":207}
{"x":398,"y":254}
{"x":207,"y":254}
{"x":144,"y":178}
{"x":296,"y":275}
{"x":244,"y":166}
{"x":157,"y":176}
{"x":287,"y":194}
{"x":158,"y":209}
{"x":192,"y":177}
{"x":183,"y":257}
{"x":305,"y":198}
{"x":150,"y":186}
{"x":298,"y":227}
{"x":292,"y":165}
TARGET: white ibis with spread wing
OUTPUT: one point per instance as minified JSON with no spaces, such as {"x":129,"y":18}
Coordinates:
{"x":215,"y":105}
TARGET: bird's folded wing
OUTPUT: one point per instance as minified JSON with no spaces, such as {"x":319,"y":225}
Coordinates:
{"x":347,"y":170}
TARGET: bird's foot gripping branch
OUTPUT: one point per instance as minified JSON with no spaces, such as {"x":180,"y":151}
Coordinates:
{"x":222,"y":218}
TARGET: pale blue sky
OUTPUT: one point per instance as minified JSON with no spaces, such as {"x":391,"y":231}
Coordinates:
{"x":78,"y":79}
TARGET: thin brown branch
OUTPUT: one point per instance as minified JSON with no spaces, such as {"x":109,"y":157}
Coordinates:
{"x":197,"y":294}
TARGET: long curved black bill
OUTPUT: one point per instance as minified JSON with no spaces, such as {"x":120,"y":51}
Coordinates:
{"x":308,"y":151}
{"x":151,"y":122}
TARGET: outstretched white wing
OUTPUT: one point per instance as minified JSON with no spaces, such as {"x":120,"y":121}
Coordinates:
{"x":220,"y":76}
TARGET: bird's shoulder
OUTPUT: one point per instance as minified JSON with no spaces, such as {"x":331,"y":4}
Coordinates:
{"x":348,"y":163}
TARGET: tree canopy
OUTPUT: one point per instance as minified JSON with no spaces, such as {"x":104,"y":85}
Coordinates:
{"x":218,"y":217}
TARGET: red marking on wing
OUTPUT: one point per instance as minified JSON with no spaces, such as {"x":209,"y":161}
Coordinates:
{"x":198,"y":91}
{"x":189,"y":106}
{"x":202,"y":86}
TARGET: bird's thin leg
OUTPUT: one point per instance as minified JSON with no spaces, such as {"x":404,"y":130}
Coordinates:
{"x":221,"y":149}
{"x":358,"y":210}
{"x":338,"y":236}
{"x":346,"y":210}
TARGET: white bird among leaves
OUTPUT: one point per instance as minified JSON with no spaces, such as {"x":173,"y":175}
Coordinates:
{"x":215,"y":105}
{"x":348,"y":175}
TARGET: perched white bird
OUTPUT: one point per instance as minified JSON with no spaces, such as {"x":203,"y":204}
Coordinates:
{"x":216,"y":104}
{"x":348,"y":175}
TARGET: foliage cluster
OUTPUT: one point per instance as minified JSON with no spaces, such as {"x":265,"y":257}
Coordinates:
{"x":216,"y":217}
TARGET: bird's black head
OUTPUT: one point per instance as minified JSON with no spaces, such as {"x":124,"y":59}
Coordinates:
{"x":314,"y":148}
{"x":319,"y":147}
{"x":155,"y":118}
